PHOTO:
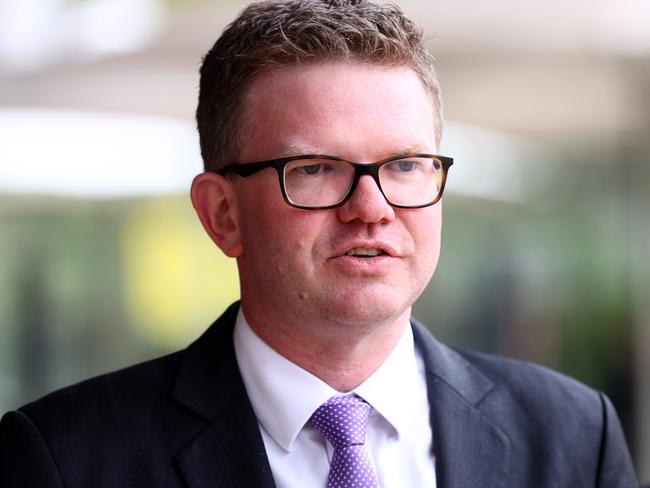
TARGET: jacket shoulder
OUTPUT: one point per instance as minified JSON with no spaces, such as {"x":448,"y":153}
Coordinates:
{"x":100,"y":429}
{"x":552,"y":417}
{"x":529,"y":382}
{"x":129,"y":389}
{"x":560,"y":431}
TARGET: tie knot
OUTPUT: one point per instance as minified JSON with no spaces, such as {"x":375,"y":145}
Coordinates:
{"x":343,"y":420}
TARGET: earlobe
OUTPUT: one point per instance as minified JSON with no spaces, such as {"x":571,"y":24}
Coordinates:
{"x":214,"y":200}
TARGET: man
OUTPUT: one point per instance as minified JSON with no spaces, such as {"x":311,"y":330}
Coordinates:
{"x":320,"y":124}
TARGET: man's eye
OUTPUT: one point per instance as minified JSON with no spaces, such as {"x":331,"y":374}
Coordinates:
{"x":405,"y":166}
{"x":312,"y":169}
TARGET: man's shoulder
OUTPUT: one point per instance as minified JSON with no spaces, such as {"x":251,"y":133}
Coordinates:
{"x":92,"y":420}
{"x":499,"y":374}
{"x":528,"y":382}
{"x":139,"y":388}
{"x":515,"y":393}
{"x":532,"y":415}
{"x":123,"y":428}
{"x":128,"y":391}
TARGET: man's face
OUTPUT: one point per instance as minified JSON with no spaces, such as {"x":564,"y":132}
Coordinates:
{"x":294,"y":264}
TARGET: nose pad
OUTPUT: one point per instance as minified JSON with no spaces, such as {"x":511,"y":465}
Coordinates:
{"x":367,"y":203}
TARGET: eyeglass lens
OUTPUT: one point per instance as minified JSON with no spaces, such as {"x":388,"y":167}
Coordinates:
{"x":411,"y":181}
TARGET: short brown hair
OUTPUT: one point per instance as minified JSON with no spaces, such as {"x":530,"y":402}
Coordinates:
{"x":274,"y":34}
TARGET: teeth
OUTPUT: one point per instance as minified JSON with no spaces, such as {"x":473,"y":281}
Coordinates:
{"x":358,"y":251}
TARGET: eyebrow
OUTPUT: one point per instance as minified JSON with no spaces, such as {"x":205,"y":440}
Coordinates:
{"x":410,"y":149}
{"x":298,"y":149}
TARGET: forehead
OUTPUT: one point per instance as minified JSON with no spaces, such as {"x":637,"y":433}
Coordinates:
{"x":353,"y":110}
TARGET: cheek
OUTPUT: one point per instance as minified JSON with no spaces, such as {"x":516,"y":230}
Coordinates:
{"x":426,"y":233}
{"x":260,"y":211}
{"x":275,"y":231}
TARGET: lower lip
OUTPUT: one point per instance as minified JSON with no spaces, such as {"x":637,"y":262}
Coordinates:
{"x":371,"y":265}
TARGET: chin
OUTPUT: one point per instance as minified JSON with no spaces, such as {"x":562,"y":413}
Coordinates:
{"x":361,"y":310}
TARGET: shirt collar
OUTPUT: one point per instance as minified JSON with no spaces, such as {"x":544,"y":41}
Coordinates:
{"x":284,"y":396}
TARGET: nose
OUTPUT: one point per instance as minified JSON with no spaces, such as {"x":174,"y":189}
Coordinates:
{"x":367,"y":204}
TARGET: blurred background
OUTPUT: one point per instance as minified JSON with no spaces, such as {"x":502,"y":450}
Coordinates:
{"x":546,"y":237}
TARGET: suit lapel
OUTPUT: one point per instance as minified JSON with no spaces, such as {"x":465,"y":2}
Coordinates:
{"x":469,"y":449}
{"x":229,"y":450}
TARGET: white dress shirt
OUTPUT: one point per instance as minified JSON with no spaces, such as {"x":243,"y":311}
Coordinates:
{"x":284,"y":396}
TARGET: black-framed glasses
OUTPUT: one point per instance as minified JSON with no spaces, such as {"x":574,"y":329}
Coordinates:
{"x":315,"y":182}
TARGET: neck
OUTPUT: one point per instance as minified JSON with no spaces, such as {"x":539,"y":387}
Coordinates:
{"x":342,"y":355}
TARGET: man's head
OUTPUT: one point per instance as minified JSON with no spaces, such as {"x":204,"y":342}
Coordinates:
{"x":272,"y":35}
{"x":345,"y":79}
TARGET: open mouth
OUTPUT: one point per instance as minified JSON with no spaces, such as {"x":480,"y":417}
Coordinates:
{"x":365,"y":253}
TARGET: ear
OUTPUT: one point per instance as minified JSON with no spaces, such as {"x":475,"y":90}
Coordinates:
{"x":214,"y":200}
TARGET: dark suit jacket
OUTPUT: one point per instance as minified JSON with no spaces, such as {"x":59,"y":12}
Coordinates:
{"x":185,"y":420}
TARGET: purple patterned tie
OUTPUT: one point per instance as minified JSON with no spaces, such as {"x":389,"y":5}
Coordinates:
{"x":343,"y":421}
